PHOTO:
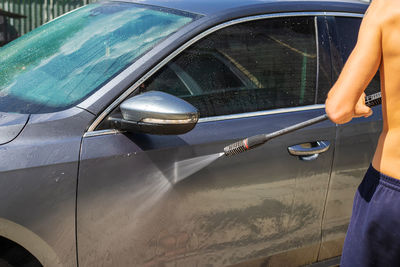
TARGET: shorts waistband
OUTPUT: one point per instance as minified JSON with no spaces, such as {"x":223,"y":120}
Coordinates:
{"x":384,"y":179}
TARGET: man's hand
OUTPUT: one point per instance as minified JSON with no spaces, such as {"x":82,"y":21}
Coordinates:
{"x":362,"y":110}
{"x":339,"y":115}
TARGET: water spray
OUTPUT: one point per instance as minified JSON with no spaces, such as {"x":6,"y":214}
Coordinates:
{"x":257,"y":140}
{"x":187,"y":167}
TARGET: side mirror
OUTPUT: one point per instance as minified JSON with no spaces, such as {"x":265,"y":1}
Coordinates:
{"x":156,"y":112}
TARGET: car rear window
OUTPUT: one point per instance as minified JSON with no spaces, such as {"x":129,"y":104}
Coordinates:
{"x":61,"y":63}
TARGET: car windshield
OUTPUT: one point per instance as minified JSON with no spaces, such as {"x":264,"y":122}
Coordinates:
{"x":62,"y":62}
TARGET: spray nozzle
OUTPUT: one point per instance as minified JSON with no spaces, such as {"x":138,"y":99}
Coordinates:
{"x":236,"y":148}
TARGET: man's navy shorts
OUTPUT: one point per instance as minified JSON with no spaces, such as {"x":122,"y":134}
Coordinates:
{"x":373,"y":237}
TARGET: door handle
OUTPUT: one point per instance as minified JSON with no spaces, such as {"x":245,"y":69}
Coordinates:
{"x":309,"y":151}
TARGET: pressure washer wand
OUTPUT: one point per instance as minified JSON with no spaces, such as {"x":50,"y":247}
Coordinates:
{"x":257,"y":140}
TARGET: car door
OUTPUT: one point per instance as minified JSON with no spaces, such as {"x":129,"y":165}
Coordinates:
{"x":355,"y":146}
{"x":148,"y":200}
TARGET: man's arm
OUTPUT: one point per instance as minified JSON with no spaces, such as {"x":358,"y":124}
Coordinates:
{"x":346,"y":98}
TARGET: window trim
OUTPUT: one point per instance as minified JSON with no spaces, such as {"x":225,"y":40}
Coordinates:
{"x":261,"y":113}
{"x":317,"y":47}
{"x":168,"y":58}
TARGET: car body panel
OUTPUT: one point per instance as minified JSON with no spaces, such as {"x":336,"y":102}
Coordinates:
{"x":38,"y":185}
{"x":140,"y":203}
{"x":11,"y":125}
{"x":356,"y":143}
{"x":209,"y":7}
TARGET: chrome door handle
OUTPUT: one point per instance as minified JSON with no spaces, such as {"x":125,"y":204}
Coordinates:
{"x":309,"y":151}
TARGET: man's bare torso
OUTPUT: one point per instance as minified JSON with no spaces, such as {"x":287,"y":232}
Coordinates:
{"x":378,"y":45}
{"x":387,"y":155}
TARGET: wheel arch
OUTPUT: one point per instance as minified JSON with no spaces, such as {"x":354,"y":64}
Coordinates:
{"x":30,"y":242}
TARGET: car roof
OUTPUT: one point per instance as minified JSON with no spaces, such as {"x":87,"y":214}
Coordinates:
{"x":211,"y":7}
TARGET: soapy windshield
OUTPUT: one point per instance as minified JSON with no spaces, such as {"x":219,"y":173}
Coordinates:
{"x":61,"y":63}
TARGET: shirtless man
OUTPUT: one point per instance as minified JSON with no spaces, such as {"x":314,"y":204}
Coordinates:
{"x":373,"y":237}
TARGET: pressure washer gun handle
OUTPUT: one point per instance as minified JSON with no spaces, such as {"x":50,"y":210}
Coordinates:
{"x":373,"y":100}
{"x":257,"y":140}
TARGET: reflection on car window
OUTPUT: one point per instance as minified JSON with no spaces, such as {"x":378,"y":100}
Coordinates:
{"x":252,"y":66}
{"x":347,"y":32}
{"x":62,"y":62}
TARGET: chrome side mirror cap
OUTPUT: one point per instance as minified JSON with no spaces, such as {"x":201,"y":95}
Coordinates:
{"x":156,"y":112}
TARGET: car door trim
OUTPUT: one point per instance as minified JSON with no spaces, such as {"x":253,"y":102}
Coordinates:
{"x":168,"y":58}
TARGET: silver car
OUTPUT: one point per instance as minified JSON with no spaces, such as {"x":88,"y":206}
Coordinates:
{"x":113,"y":118}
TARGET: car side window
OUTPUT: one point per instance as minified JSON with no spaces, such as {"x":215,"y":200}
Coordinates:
{"x":347,"y":32}
{"x":252,"y":66}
